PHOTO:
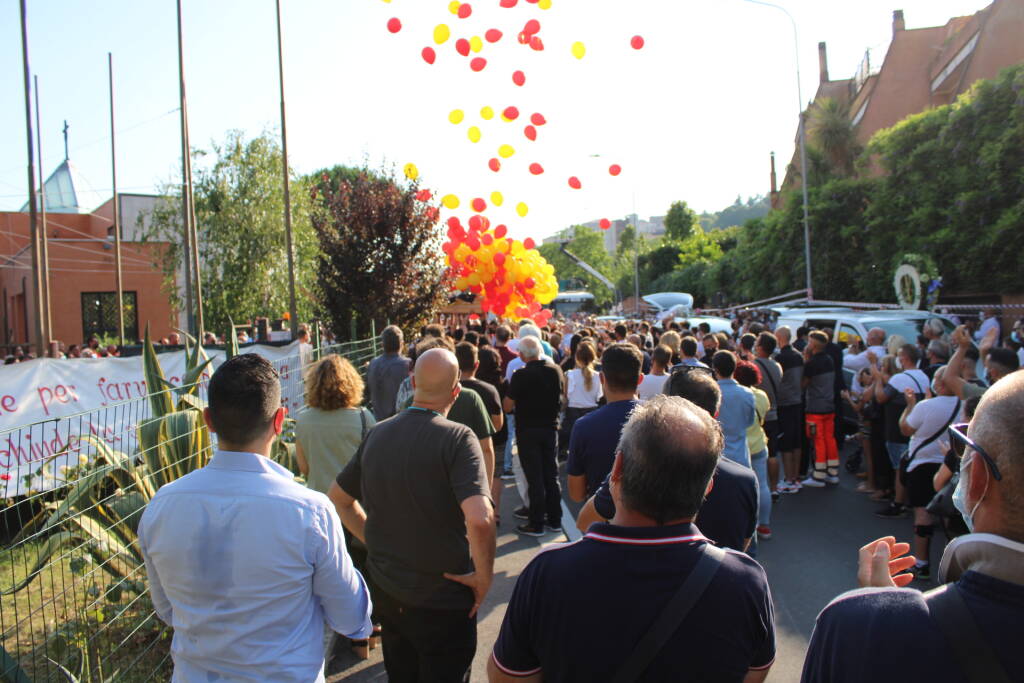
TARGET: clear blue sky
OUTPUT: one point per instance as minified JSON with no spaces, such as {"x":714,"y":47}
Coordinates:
{"x":692,"y":116}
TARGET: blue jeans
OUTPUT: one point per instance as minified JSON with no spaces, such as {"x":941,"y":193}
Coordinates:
{"x":896,"y":451}
{"x":759,"y":463}
{"x":511,"y":420}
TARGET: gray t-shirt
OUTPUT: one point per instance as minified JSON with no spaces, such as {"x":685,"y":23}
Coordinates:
{"x":771,"y":381}
{"x":383,"y":379}
{"x":411,"y":475}
{"x":790,"y":393}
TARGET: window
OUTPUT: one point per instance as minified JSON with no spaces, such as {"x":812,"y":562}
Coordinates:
{"x":99,"y":315}
{"x":848,"y":334}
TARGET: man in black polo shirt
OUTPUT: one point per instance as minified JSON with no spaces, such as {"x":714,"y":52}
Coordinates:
{"x":535,"y":394}
{"x":620,"y":576}
{"x":886,"y":634}
{"x":416,"y":493}
{"x":729,"y":513}
{"x":820,"y":413}
{"x":791,"y":411}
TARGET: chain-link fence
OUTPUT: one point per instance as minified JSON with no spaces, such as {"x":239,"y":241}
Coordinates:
{"x":74,"y":601}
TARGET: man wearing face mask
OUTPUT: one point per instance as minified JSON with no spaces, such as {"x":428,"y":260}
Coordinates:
{"x":962,"y":631}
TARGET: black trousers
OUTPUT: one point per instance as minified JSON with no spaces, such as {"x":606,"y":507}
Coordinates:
{"x":424,"y":645}
{"x":537,"y":456}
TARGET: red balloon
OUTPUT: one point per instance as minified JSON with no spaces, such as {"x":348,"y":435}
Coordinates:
{"x":478,"y":64}
{"x":479,"y":205}
{"x":536,"y":43}
{"x":493,"y":35}
{"x":637,"y":42}
{"x":605,"y":224}
{"x":429,"y":55}
{"x":575,"y":183}
{"x":529,"y":283}
{"x":508,"y":3}
{"x":532,"y":27}
{"x":448,"y":247}
{"x":424,"y":195}
{"x":523,"y":38}
{"x":530,"y":132}
{"x":487,"y":239}
{"x":485,"y":223}
{"x":536,"y":169}
{"x":510,"y":113}
{"x":432,"y":213}
{"x":500,"y":232}
{"x":518,"y":77}
{"x":499,"y":259}
{"x":394,"y":24}
{"x":534,"y":306}
{"x":538,"y":120}
{"x":615,"y":169}
{"x":453,"y":223}
{"x":475,"y":223}
{"x":462,"y":47}
{"x":465,"y":10}
{"x":528,"y":243}
{"x":494,"y":165}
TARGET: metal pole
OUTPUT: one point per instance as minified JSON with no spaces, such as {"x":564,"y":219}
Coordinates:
{"x":32,"y":217}
{"x":185,"y":184}
{"x":287,"y":195}
{"x":194,"y":232}
{"x":117,"y":208}
{"x":803,"y":145}
{"x":43,"y":238}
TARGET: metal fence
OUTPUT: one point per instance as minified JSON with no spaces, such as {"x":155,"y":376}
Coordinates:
{"x":74,"y":601}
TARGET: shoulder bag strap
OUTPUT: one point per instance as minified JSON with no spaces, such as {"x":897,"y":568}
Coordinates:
{"x":916,"y":383}
{"x":973,"y":654}
{"x":362,"y":422}
{"x":768,"y":373}
{"x":672,"y":615}
{"x":933,"y":437}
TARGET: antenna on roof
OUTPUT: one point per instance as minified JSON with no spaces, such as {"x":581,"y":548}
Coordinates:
{"x":65,"y":131}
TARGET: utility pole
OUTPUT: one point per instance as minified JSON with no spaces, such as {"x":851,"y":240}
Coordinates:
{"x":292,"y":314}
{"x":117,"y":207}
{"x":186,"y":185}
{"x":32,"y":215}
{"x":43,"y":238}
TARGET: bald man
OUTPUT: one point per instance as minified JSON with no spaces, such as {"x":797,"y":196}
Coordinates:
{"x":417,"y":493}
{"x":963,"y":630}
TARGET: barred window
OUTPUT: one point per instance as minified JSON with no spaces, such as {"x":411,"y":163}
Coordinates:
{"x":99,"y":315}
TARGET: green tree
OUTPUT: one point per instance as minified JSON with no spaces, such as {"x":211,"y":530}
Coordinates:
{"x":588,"y":245}
{"x":239,"y":204}
{"x":833,"y":133}
{"x":680,"y":222}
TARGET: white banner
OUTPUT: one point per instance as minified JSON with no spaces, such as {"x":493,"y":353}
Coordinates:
{"x":46,"y":405}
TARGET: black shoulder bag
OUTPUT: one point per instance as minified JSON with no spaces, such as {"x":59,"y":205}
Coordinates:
{"x":971,"y":651}
{"x":672,"y":615}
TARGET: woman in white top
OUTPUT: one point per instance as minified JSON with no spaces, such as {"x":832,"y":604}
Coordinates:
{"x":582,"y":392}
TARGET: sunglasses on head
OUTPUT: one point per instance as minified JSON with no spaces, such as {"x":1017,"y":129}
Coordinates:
{"x":960,"y":442}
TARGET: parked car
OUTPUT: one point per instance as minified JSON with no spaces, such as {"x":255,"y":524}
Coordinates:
{"x":848,"y":325}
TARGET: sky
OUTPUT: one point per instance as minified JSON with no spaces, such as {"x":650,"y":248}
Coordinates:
{"x":692,"y":116}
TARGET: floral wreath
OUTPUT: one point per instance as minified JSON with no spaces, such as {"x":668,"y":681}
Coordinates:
{"x":917,"y":282}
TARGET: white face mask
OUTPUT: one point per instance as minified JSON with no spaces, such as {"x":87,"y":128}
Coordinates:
{"x":960,"y":492}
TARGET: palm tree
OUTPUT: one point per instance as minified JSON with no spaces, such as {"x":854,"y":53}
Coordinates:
{"x":834,"y":134}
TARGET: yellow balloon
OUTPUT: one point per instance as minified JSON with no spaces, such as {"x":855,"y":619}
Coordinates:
{"x":505,"y":151}
{"x":441,"y":33}
{"x":453,"y":6}
{"x":578,"y":50}
{"x":473,"y":133}
{"x":543,"y":4}
{"x":411,"y":172}
{"x":476,"y":44}
{"x":497,"y":199}
{"x":522,"y":209}
{"x":487,"y":113}
{"x":450,"y":201}
{"x":456,"y":116}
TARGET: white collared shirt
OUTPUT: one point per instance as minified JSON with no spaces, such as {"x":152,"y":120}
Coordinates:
{"x":246,"y":565}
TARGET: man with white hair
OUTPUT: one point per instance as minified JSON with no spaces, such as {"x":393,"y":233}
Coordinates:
{"x":535,"y":397}
{"x":876,"y":345}
{"x":527,"y":329}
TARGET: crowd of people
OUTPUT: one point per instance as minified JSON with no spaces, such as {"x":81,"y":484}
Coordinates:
{"x":676,"y":441}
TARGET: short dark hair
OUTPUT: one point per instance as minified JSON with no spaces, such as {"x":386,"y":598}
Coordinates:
{"x":1005,"y":358}
{"x":434,"y":330}
{"x":466,"y":354}
{"x":664,"y":477}
{"x":621,"y":364}
{"x":756,"y":328}
{"x":662,"y":355}
{"x":747,"y":341}
{"x":243,"y":395}
{"x":768,"y":342}
{"x":472,"y":337}
{"x":819,"y":337}
{"x":688,"y":346}
{"x":503,"y":333}
{"x":802,"y":331}
{"x":620,"y":330}
{"x":704,"y":327}
{"x":430,"y":342}
{"x":724,"y":363}
{"x":911,"y":352}
{"x":391,"y":339}
{"x":972,"y":353}
{"x":695,"y":384}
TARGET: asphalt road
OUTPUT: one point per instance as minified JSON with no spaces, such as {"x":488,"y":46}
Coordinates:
{"x":811,"y":558}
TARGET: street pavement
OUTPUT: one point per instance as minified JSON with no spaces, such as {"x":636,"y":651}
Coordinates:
{"x":811,"y":558}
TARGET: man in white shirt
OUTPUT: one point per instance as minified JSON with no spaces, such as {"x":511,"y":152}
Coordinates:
{"x":990,"y":321}
{"x":654,"y":383}
{"x":876,"y":346}
{"x":925,"y":422}
{"x":244,"y":563}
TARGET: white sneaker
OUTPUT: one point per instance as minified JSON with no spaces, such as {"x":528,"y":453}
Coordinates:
{"x":812,"y":483}
{"x":832,"y":479}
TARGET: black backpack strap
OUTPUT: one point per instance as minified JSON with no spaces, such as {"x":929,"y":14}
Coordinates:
{"x":767,"y":372}
{"x":362,"y":422}
{"x":975,"y":657}
{"x":672,"y":615}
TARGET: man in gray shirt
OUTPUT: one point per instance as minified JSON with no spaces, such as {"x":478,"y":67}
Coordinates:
{"x":386,"y":373}
{"x":820,"y":412}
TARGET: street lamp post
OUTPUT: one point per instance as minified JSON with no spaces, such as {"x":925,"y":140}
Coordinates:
{"x":803,"y":144}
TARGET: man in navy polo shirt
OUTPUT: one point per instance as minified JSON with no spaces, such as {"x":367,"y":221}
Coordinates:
{"x":904,"y":631}
{"x":562,"y":605}
{"x":596,"y":435}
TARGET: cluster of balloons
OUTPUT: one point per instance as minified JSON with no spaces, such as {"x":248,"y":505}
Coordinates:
{"x":511,"y":277}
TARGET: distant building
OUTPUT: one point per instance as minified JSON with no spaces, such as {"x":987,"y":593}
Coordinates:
{"x":923,"y":68}
{"x":83,"y":290}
